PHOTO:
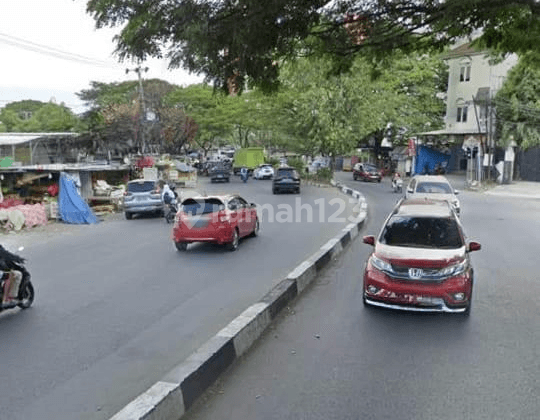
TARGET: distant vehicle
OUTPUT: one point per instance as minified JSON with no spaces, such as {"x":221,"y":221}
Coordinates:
{"x":220,"y":172}
{"x":435,"y":187}
{"x":366,"y":172}
{"x":249,"y":157}
{"x":420,"y":261}
{"x":142,"y":196}
{"x":286,"y":179}
{"x":220,"y":219}
{"x":265,"y":171}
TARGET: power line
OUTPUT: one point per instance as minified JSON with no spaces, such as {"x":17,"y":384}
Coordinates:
{"x":53,"y":52}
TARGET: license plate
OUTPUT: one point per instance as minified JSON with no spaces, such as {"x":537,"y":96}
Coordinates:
{"x":220,"y":176}
{"x":428,"y":300}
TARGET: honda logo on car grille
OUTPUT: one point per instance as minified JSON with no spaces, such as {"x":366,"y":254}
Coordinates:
{"x":415,"y":273}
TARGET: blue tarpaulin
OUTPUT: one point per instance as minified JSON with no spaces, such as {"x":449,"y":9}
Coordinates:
{"x":71,"y":206}
{"x":427,"y":160}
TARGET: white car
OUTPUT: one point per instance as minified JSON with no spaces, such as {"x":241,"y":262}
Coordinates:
{"x":264,"y":172}
{"x":435,"y":187}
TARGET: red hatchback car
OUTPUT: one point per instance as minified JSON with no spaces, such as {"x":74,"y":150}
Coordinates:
{"x":215,"y":219}
{"x":420,"y":260}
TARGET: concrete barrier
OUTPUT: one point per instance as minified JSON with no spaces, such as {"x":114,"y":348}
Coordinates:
{"x":171,"y":397}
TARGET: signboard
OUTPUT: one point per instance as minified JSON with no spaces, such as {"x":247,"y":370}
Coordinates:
{"x":150,"y":174}
{"x":411,"y":149}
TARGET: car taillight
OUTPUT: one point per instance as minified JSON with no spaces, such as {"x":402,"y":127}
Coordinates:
{"x":224,"y":217}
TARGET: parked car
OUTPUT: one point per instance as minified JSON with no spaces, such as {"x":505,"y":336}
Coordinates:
{"x":142,"y":196}
{"x":366,"y":172}
{"x":220,"y":172}
{"x":265,"y":171}
{"x":220,"y":219}
{"x":420,"y":260}
{"x":286,"y":179}
{"x":435,"y":187}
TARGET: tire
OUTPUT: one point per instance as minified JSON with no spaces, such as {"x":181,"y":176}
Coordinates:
{"x":26,"y":295}
{"x":274,"y":191}
{"x":255,"y":232}
{"x":169,"y":218}
{"x":129,"y":216}
{"x":355,"y":177}
{"x":181,"y":246}
{"x":233,"y":246}
{"x":298,"y":191}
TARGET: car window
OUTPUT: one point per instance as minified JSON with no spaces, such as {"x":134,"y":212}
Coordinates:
{"x":290,"y":173}
{"x":234,"y":204}
{"x":413,"y":184}
{"x":140,"y":187}
{"x":202,"y":206}
{"x":370,"y":168}
{"x":242,"y":202}
{"x":433,"y":188}
{"x":422,"y":232}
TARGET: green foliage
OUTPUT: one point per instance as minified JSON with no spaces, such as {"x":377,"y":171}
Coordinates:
{"x":297,"y":164}
{"x":518,"y":106}
{"x":205,"y":36}
{"x":35,"y":116}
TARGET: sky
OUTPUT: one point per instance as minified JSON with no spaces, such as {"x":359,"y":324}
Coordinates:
{"x":50,"y":49}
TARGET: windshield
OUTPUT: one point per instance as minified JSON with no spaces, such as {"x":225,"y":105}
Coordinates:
{"x":433,"y":188}
{"x":422,"y":232}
{"x":140,"y":187}
{"x":287,"y":173}
{"x":202,"y":206}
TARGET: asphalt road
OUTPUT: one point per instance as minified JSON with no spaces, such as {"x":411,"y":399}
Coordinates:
{"x":329,"y":357}
{"x":117,"y":306}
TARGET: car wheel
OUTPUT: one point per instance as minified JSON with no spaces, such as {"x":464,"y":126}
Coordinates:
{"x":233,"y":246}
{"x":256,"y":229}
{"x":181,"y":246}
{"x":274,"y":191}
{"x":355,"y":177}
{"x":128,"y":215}
{"x":298,"y":191}
{"x":26,"y":296}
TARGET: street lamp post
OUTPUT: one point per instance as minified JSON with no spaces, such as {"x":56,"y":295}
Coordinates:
{"x":139,"y":70}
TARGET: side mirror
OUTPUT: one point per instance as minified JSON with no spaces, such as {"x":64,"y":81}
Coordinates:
{"x":473,"y":246}
{"x":369,"y":239}
{"x":233,"y":207}
{"x":253,"y":205}
{"x":410,"y":190}
{"x":456,"y":192}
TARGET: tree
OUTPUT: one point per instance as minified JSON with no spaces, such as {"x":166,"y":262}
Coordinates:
{"x":206,"y":38}
{"x":35,"y":116}
{"x":517,"y":104}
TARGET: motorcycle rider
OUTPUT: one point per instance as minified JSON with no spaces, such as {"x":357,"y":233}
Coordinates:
{"x":8,"y":262}
{"x":244,"y":173}
{"x":395,"y":182}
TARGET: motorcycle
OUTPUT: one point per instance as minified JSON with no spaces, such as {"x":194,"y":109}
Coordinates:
{"x":25,"y":296}
{"x":170,"y":212}
{"x":397,"y":185}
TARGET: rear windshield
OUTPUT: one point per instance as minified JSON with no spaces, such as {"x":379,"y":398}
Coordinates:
{"x":139,"y":187}
{"x":202,"y":206}
{"x":422,"y":232}
{"x":370,"y":169}
{"x":289,"y":173}
{"x":433,"y":188}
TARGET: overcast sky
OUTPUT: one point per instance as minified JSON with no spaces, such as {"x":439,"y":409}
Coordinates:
{"x":50,"y":49}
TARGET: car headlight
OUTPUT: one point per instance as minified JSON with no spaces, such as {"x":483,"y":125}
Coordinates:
{"x":381,"y":264}
{"x":454,"y":270}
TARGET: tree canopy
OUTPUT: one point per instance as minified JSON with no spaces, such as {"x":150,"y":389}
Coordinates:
{"x":35,"y":116}
{"x":231,"y":42}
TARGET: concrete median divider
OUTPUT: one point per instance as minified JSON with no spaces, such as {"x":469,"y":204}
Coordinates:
{"x":170,"y":398}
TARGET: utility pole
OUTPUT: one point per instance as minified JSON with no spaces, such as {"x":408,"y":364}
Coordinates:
{"x":139,"y":70}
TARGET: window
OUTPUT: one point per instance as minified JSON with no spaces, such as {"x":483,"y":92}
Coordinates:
{"x":462,"y":113}
{"x":465,"y":73}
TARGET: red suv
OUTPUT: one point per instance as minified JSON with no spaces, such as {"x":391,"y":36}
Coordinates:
{"x":215,"y":219}
{"x":420,"y":260}
{"x":366,"y":172}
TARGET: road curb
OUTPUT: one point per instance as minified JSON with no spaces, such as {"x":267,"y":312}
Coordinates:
{"x":170,"y":398}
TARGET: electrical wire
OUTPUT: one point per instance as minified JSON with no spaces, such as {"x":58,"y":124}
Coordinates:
{"x":52,"y":52}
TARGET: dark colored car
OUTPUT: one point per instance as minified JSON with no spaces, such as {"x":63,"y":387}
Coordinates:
{"x":220,"y":172}
{"x":142,"y":196}
{"x":286,"y":179}
{"x":366,"y":172}
{"x":222,"y":219}
{"x":420,"y":260}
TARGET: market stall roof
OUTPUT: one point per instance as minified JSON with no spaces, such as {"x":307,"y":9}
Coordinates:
{"x":13,"y":139}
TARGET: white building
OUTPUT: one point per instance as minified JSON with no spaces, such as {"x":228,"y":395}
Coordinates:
{"x":473,"y":80}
